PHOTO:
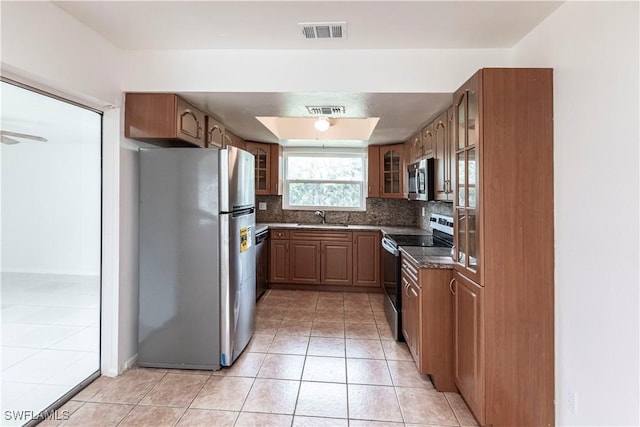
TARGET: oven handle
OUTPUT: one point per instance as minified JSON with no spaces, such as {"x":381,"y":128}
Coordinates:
{"x":390,"y":247}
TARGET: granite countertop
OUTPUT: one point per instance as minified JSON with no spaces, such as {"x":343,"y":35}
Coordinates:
{"x":429,"y":257}
{"x":424,"y":257}
{"x":386,"y":229}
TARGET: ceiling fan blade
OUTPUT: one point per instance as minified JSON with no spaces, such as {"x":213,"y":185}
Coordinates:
{"x":8,"y":141}
{"x":5,"y":133}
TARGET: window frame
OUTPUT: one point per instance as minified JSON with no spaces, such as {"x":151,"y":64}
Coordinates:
{"x":325,"y":152}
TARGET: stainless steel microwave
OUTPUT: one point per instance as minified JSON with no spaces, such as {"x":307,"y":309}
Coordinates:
{"x":420,"y":180}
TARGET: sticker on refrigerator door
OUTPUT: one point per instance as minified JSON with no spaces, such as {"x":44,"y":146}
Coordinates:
{"x":244,"y":239}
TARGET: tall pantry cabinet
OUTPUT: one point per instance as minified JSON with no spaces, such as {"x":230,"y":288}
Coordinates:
{"x":504,"y":249}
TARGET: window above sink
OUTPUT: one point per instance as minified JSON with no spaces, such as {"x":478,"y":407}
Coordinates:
{"x":332,"y":179}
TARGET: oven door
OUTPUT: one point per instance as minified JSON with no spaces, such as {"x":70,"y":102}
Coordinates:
{"x":391,"y":283}
{"x":391,"y":268}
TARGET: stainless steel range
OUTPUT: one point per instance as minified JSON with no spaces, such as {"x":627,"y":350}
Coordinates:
{"x":442,"y":237}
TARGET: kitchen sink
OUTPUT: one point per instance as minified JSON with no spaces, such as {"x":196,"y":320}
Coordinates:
{"x":322,"y":225}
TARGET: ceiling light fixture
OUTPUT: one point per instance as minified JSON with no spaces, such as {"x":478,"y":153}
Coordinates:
{"x":322,"y":124}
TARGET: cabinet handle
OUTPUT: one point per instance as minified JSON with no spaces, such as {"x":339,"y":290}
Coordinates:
{"x":451,"y":286}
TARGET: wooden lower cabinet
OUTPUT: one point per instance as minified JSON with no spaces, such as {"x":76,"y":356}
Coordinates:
{"x":469,"y":364}
{"x":411,"y":309}
{"x":304,"y":261}
{"x":366,"y":258}
{"x":427,"y":321}
{"x":335,"y":258}
{"x":278,"y":260}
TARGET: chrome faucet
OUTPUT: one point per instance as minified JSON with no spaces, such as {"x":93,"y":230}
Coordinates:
{"x":321,"y":215}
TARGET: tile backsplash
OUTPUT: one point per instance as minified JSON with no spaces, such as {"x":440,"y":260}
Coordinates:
{"x":443,"y":208}
{"x":398,"y":212}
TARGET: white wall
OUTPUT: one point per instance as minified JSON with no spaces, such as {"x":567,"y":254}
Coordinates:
{"x":44,"y":46}
{"x":43,"y":43}
{"x":405,"y":70}
{"x":128,"y":278}
{"x":594,"y":48}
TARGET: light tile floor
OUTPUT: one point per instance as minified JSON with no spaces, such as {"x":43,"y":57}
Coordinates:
{"x":50,"y":338}
{"x":316,"y":359}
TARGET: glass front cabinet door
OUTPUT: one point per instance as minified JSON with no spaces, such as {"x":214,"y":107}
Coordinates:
{"x":392,"y":172}
{"x":261,"y":153}
{"x":467,"y":243}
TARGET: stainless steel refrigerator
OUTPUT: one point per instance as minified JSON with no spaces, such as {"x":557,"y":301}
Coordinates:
{"x":197,"y":256}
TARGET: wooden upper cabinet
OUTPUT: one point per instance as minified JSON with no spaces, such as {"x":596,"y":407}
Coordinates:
{"x":215,"y":133}
{"x":190,"y":122}
{"x":163,"y":119}
{"x":415,"y":148}
{"x":451,"y":148}
{"x":467,"y":236}
{"x":262,"y":153}
{"x":268,"y":170}
{"x":443,"y":158}
{"x":366,"y":258}
{"x":373,"y":171}
{"x":275,"y":169}
{"x":229,"y":139}
{"x":428,"y":141}
{"x":392,"y":171}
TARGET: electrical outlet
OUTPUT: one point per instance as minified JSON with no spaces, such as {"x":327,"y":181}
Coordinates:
{"x":262,"y":206}
{"x":572,"y":402}
{"x":424,"y":211}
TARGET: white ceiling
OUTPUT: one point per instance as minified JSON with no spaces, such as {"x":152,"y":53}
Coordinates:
{"x":371,"y":25}
{"x":273,"y":24}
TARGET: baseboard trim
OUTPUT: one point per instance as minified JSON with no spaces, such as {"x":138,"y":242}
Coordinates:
{"x":130,"y":363}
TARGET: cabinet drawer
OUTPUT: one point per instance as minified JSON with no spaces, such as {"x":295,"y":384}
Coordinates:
{"x":410,"y":270}
{"x":279,"y":234}
{"x":322,"y":235}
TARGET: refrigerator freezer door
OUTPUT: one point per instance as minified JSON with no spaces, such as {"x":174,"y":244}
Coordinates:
{"x":237,"y":179}
{"x":179,"y":228}
{"x":238,"y":284}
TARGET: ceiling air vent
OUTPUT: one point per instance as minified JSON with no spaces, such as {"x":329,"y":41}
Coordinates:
{"x":326,"y":110}
{"x":323,"y":30}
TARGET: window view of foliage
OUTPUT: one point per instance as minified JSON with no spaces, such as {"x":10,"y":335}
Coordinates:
{"x":325,"y":181}
{"x":314,"y":194}
{"x":324,"y":168}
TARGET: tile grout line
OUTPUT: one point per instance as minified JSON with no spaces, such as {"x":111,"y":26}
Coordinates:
{"x":142,"y":398}
{"x":446,"y":398}
{"x":194,"y":399}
